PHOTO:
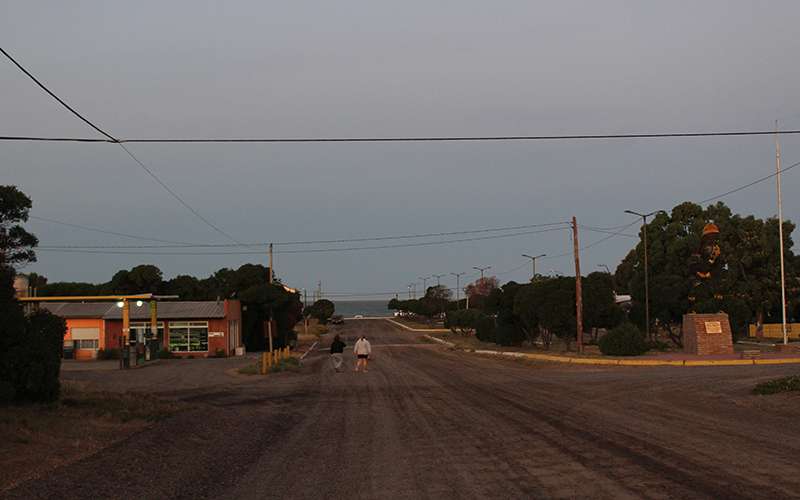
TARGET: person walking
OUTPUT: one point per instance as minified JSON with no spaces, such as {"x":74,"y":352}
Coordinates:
{"x":362,"y":351}
{"x":337,"y":348}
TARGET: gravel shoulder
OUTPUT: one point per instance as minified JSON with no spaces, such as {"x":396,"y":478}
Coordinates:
{"x":426,"y":422}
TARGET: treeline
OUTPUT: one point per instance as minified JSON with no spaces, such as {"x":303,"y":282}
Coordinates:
{"x":249,"y":283}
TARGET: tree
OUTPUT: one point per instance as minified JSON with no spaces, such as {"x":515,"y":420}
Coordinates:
{"x":16,"y":244}
{"x":321,"y":310}
{"x":462,"y":321}
{"x":599,"y":307}
{"x":749,"y":275}
{"x":479,"y":290}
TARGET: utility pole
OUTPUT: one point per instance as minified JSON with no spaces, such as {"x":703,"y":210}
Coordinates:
{"x":780,"y":231}
{"x":533,"y":261}
{"x":438,"y":279}
{"x":482,"y":269}
{"x":409,"y":292}
{"x":305,"y":304}
{"x":578,"y":290}
{"x":646,"y":270}
{"x":458,"y":287}
{"x":269,"y":281}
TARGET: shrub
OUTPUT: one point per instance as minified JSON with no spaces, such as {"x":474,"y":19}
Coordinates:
{"x":485,"y":328}
{"x":112,"y":353}
{"x":785,"y":384}
{"x":30,"y":354}
{"x":461,"y":320}
{"x":164,"y":354}
{"x":624,"y":340}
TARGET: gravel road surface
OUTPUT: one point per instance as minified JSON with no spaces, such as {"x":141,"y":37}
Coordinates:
{"x":426,"y":422}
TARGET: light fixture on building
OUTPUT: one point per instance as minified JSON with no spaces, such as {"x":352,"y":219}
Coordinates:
{"x":120,"y":304}
{"x":139,"y":303}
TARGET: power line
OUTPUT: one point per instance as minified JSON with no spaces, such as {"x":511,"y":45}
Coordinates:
{"x":310,"y":242}
{"x":762,"y":179}
{"x":313,"y":250}
{"x":478,"y":138}
{"x":110,"y":137}
{"x":114,"y":140}
{"x":105,"y":231}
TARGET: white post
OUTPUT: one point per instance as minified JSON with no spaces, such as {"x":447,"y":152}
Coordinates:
{"x":780,"y":231}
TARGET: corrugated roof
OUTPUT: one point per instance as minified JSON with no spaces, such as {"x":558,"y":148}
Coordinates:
{"x":174,"y":310}
{"x":166,"y":310}
{"x":78,"y":309}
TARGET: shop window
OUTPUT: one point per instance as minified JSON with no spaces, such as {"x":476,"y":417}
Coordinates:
{"x":188,"y":336}
{"x":140,"y":328}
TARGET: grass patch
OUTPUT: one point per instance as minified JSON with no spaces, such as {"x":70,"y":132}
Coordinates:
{"x":785,"y":384}
{"x":290,"y":364}
{"x":249,"y":369}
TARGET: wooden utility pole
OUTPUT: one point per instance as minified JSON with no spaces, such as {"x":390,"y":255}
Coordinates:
{"x":578,"y":291}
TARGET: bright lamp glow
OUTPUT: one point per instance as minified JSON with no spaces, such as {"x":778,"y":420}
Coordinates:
{"x":138,"y":303}
{"x":120,"y":303}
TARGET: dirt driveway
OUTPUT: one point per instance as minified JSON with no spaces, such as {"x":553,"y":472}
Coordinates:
{"x":429,"y":423}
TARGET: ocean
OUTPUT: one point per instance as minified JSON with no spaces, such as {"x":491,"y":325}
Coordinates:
{"x":366,"y":308}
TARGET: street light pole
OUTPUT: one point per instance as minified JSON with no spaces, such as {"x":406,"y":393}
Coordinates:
{"x":780,"y":231}
{"x":424,"y":284}
{"x":458,"y":287}
{"x":482,"y":269}
{"x":646,"y":271}
{"x":533,"y":261}
{"x":438,"y":278}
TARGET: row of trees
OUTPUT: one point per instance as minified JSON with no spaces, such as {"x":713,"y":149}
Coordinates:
{"x":249,"y":283}
{"x":513,"y":313}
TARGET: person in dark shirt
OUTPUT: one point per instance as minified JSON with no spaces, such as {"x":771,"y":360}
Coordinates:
{"x":337,"y":348}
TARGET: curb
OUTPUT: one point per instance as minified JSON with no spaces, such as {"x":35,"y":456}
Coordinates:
{"x":422,"y":330}
{"x":443,"y":342}
{"x":630,"y":362}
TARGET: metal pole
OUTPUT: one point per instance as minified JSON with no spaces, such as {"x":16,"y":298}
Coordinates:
{"x":458,"y":288}
{"x":780,"y":232}
{"x":578,"y":290}
{"x":646,"y":278}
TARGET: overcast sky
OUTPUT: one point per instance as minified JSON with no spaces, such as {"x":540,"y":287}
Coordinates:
{"x":365,"y":68}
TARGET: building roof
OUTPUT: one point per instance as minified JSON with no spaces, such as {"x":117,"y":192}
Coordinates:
{"x":78,"y":309}
{"x":166,"y":310}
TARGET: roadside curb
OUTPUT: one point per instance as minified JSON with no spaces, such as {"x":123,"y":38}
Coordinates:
{"x":629,"y":362}
{"x":440,"y":341}
{"x":421,"y":330}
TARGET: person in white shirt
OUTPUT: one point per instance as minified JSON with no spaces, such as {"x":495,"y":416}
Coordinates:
{"x":362,"y":350}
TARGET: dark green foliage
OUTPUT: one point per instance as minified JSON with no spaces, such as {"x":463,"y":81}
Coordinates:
{"x":321,"y":310}
{"x":624,"y":340}
{"x":485,"y":328}
{"x":16,"y":244}
{"x":461,"y":320}
{"x":219,"y":353}
{"x":785,"y":384}
{"x":165,"y":354}
{"x":30,"y":354}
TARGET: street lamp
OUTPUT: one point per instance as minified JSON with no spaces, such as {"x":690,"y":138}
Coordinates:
{"x":533,"y":261}
{"x":424,"y":284}
{"x":438,"y":278}
{"x":481,"y":269}
{"x":458,"y":287}
{"x":646,"y":286}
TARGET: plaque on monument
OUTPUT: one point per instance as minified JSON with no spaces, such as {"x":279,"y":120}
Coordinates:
{"x":705,"y":334}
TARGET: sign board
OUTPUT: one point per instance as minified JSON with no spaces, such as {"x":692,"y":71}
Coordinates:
{"x":713,"y":327}
{"x":216,"y":334}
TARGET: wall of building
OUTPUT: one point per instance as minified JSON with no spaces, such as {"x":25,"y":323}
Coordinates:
{"x":85,"y":354}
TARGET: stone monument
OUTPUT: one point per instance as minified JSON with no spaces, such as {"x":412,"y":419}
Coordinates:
{"x":708,"y":333}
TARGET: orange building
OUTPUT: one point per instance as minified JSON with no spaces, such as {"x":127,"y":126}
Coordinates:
{"x":187,"y":328}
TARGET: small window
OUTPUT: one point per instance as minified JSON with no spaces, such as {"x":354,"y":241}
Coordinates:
{"x":86,"y":344}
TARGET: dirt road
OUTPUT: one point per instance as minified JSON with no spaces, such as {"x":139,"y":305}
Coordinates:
{"x":429,"y":423}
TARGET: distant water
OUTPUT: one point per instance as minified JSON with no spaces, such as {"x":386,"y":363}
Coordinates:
{"x":366,"y":308}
